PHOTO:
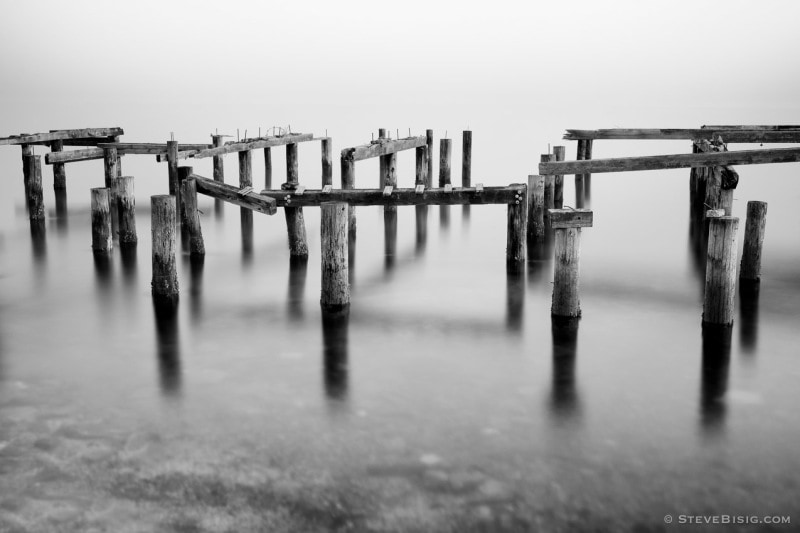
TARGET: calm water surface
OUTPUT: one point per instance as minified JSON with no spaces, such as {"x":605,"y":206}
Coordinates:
{"x":448,"y":400}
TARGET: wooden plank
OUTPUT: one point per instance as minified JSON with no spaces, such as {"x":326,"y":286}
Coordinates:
{"x":86,"y":133}
{"x":360,"y":197}
{"x":382,"y":147}
{"x":150,"y":148}
{"x":728,"y":135}
{"x":660,"y":162}
{"x":571,"y":218}
{"x":229,"y":193}
{"x":186,"y":154}
{"x":269,"y":142}
{"x":72,"y":156}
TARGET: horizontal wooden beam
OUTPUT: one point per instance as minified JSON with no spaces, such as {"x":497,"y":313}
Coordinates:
{"x":362,"y":197}
{"x":382,"y":147}
{"x":571,"y":218}
{"x":660,"y":162}
{"x":149,"y":148}
{"x":71,"y":156}
{"x":739,"y":127}
{"x":184,"y":154}
{"x":57,"y":135}
{"x":728,"y":135}
{"x":266,"y":142}
{"x":229,"y":193}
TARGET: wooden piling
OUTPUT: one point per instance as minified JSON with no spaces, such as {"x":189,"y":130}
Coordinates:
{"x":587,"y":178}
{"x":445,"y":146}
{"x":59,"y":169}
{"x":268,"y":167}
{"x":327,"y":162}
{"x":126,"y":210}
{"x":558,"y":181}
{"x":27,"y":150}
{"x":382,"y":161}
{"x":536,"y":208}
{"x":579,"y":182}
{"x":172,"y":166}
{"x":516,"y":232}
{"x":466,"y":159}
{"x":295,"y":223}
{"x":219,"y":166}
{"x":246,"y":169}
{"x":34,"y":192}
{"x":429,"y":154}
{"x":183,"y":175}
{"x":348,"y":182}
{"x":421,"y":177}
{"x":101,"y":220}
{"x":720,"y":283}
{"x":110,"y":160}
{"x":754,"y":226}
{"x":549,"y":186}
{"x":335,"y":294}
{"x":165,"y":274}
{"x":567,"y":224}
{"x":192,"y":224}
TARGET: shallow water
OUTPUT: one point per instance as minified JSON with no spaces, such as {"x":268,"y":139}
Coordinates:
{"x":447,"y":400}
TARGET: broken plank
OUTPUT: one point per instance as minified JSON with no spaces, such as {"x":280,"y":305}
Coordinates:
{"x":362,"y":197}
{"x":728,"y":135}
{"x":85,"y":133}
{"x":229,"y":193}
{"x":149,"y":148}
{"x":660,"y":162}
{"x":252,"y":145}
{"x":382,"y":147}
{"x":571,"y":218}
{"x":71,"y":156}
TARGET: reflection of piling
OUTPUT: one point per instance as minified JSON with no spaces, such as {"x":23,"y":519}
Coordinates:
{"x":567,"y":226}
{"x":720,"y":283}
{"x":246,"y":223}
{"x":335,"y":326}
{"x":168,"y":345}
{"x":59,"y":169}
{"x":564,"y":403}
{"x":516,"y":232}
{"x":753,"y":241}
{"x":748,"y":314}
{"x":126,"y":210}
{"x":335,"y":280}
{"x":515,"y":300}
{"x":421,"y":227}
{"x":62,"y":218}
{"x":163,"y":227}
{"x":714,"y":379}
{"x":102,"y":241}
{"x":536,"y":209}
{"x":559,"y":153}
{"x":192,"y":224}
{"x":33,"y":188}
{"x":389,"y":237}
{"x":298,"y":270}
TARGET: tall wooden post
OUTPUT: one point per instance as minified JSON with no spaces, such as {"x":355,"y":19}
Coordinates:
{"x":59,"y":169}
{"x":295,"y":223}
{"x":516,"y":231}
{"x":420,"y":175}
{"x":382,"y":161}
{"x":183,"y":175}
{"x":268,"y":168}
{"x":567,"y":224}
{"x":34,"y":193}
{"x":27,"y":150}
{"x":549,"y":187}
{"x":587,"y":178}
{"x":163,"y":223}
{"x":110,"y":159}
{"x":192,"y":224}
{"x":219,"y":166}
{"x":753,"y":241}
{"x":558,"y":188}
{"x":335,"y":293}
{"x":445,"y":146}
{"x":466,"y":159}
{"x":348,"y":182}
{"x":429,"y":153}
{"x":579,"y":178}
{"x":101,"y":220}
{"x":126,"y":210}
{"x":172,"y":166}
{"x":720,"y":286}
{"x":536,"y":208}
{"x":327,"y":162}
{"x":245,"y":169}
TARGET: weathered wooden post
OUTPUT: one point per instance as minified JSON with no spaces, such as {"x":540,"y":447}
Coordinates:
{"x":163,"y":223}
{"x":429,"y":154}
{"x":516,"y":230}
{"x":348,"y":182}
{"x":720,"y":286}
{"x":192,"y":224}
{"x":753,"y":241}
{"x":536,"y":208}
{"x":101,"y":220}
{"x":382,"y":161}
{"x":335,"y":280}
{"x":268,"y":168}
{"x":587,"y":178}
{"x":126,"y":210}
{"x":466,"y":159}
{"x":59,"y":169}
{"x":245,"y":169}
{"x":327,"y":162}
{"x":219,"y":163}
{"x":719,"y":188}
{"x":33,"y":188}
{"x":558,"y":181}
{"x":445,"y":146}
{"x":110,"y":160}
{"x":579,"y":182}
{"x":183,"y":175}
{"x":420,"y":175}
{"x":549,"y":187}
{"x":27,"y":150}
{"x":295,"y":223}
{"x":172,"y":167}
{"x":567,"y":224}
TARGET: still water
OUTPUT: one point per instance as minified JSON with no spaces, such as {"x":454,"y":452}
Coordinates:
{"x":448,"y":400}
